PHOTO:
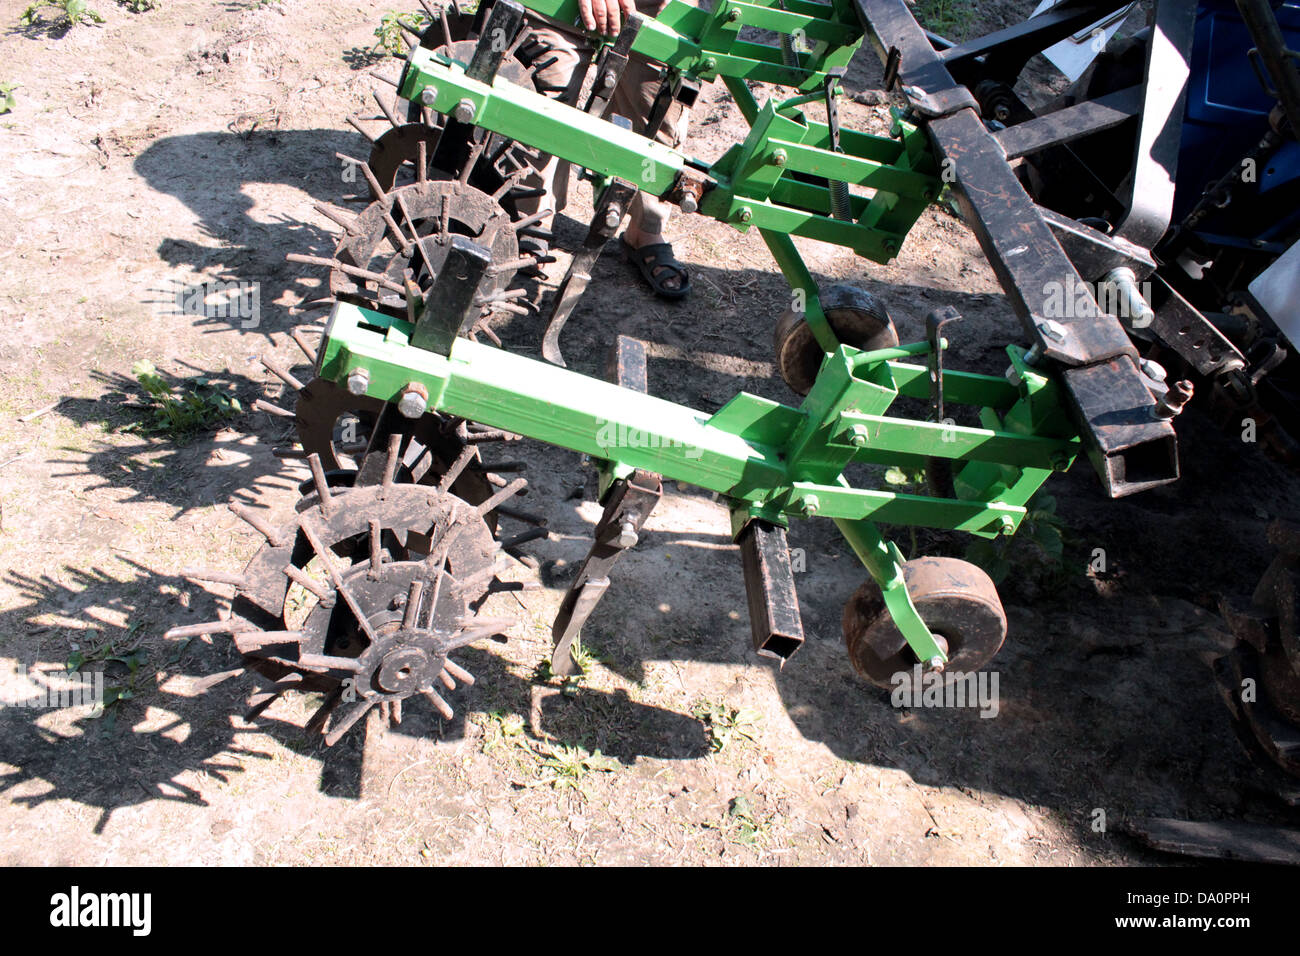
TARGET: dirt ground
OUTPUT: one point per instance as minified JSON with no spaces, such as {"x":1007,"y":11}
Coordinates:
{"x":190,"y":142}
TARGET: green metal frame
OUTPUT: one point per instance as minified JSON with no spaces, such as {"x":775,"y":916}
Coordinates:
{"x":770,"y":181}
{"x":767,"y":460}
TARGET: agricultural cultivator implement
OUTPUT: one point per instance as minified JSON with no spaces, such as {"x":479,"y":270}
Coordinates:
{"x":381,"y":576}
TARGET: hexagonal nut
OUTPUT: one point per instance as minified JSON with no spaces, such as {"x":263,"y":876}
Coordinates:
{"x":414,"y":400}
{"x":464,"y":111}
{"x":429,"y":95}
{"x":358,"y":381}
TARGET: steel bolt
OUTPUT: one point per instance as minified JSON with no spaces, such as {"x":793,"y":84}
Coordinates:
{"x":733,"y":16}
{"x":414,"y":400}
{"x":358,"y":381}
{"x":936,"y":663}
{"x":808,"y":505}
{"x":689,"y":203}
{"x":779,"y":157}
{"x":708,"y":65}
{"x":1173,"y":400}
{"x":745,"y":214}
{"x":626,"y":534}
{"x":1008,"y":524}
{"x":465,"y":111}
{"x":1053,"y":330}
{"x":1152,"y":370}
{"x":1127,"y":301}
{"x":613,"y":216}
{"x":608,"y":79}
{"x":890,"y":246}
{"x":857,"y":436}
{"x":429,"y":95}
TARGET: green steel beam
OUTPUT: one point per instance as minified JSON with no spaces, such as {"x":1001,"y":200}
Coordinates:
{"x":753,"y":450}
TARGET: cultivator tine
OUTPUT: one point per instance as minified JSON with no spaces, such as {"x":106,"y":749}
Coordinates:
{"x":380,"y":280}
{"x":446,"y":28}
{"x":307,"y":350}
{"x":262,"y":405}
{"x":505,"y":494}
{"x":350,"y":716}
{"x":205,"y":684}
{"x":274,"y":536}
{"x":250,"y":642}
{"x":476,"y":629}
{"x":216,"y":577}
{"x":263,"y":699}
{"x":490,"y":435}
{"x":356,"y":125}
{"x":610,"y":210}
{"x":281,"y":373}
{"x":341,"y":218}
{"x":316,"y":723}
{"x":440,"y":705}
{"x":322,"y":486}
{"x":206,"y":629}
{"x":527,"y":517}
{"x":627,"y":507}
{"x":384,"y":79}
{"x":310,"y":585}
{"x":458,"y":672}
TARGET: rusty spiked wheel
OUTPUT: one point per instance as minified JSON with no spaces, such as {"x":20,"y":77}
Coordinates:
{"x":363,"y":596}
{"x":957,"y":601}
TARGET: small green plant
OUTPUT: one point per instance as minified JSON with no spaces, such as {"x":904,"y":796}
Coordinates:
{"x":742,"y":826}
{"x":139,"y":6}
{"x":1039,"y":541}
{"x":7,"y":97}
{"x":570,"y":764}
{"x":501,"y":730}
{"x":725,"y":723}
{"x":59,"y":13}
{"x":389,"y":31}
{"x":197,"y":406}
{"x":115,"y":694}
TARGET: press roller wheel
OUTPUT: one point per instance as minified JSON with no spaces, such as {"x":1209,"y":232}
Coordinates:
{"x":858,"y":319}
{"x":958,"y":602}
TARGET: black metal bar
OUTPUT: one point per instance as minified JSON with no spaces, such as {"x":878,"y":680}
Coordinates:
{"x":627,"y":364}
{"x":1130,"y":449}
{"x":451,"y":301}
{"x":1093,"y":252}
{"x":610,"y":66}
{"x":498,"y":34}
{"x":1279,"y":63}
{"x":1150,"y":200}
{"x":1002,"y":55}
{"x":1071,"y":123}
{"x":774,"y":619}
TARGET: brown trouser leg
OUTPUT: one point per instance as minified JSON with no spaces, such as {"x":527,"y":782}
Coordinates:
{"x":633,"y":98}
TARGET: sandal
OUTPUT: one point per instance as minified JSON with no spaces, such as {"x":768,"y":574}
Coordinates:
{"x":656,"y":263}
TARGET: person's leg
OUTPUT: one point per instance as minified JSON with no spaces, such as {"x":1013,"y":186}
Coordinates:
{"x":648,"y":217}
{"x":558,"y":57}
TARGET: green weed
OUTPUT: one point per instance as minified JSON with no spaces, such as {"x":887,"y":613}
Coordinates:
{"x":180,"y":413}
